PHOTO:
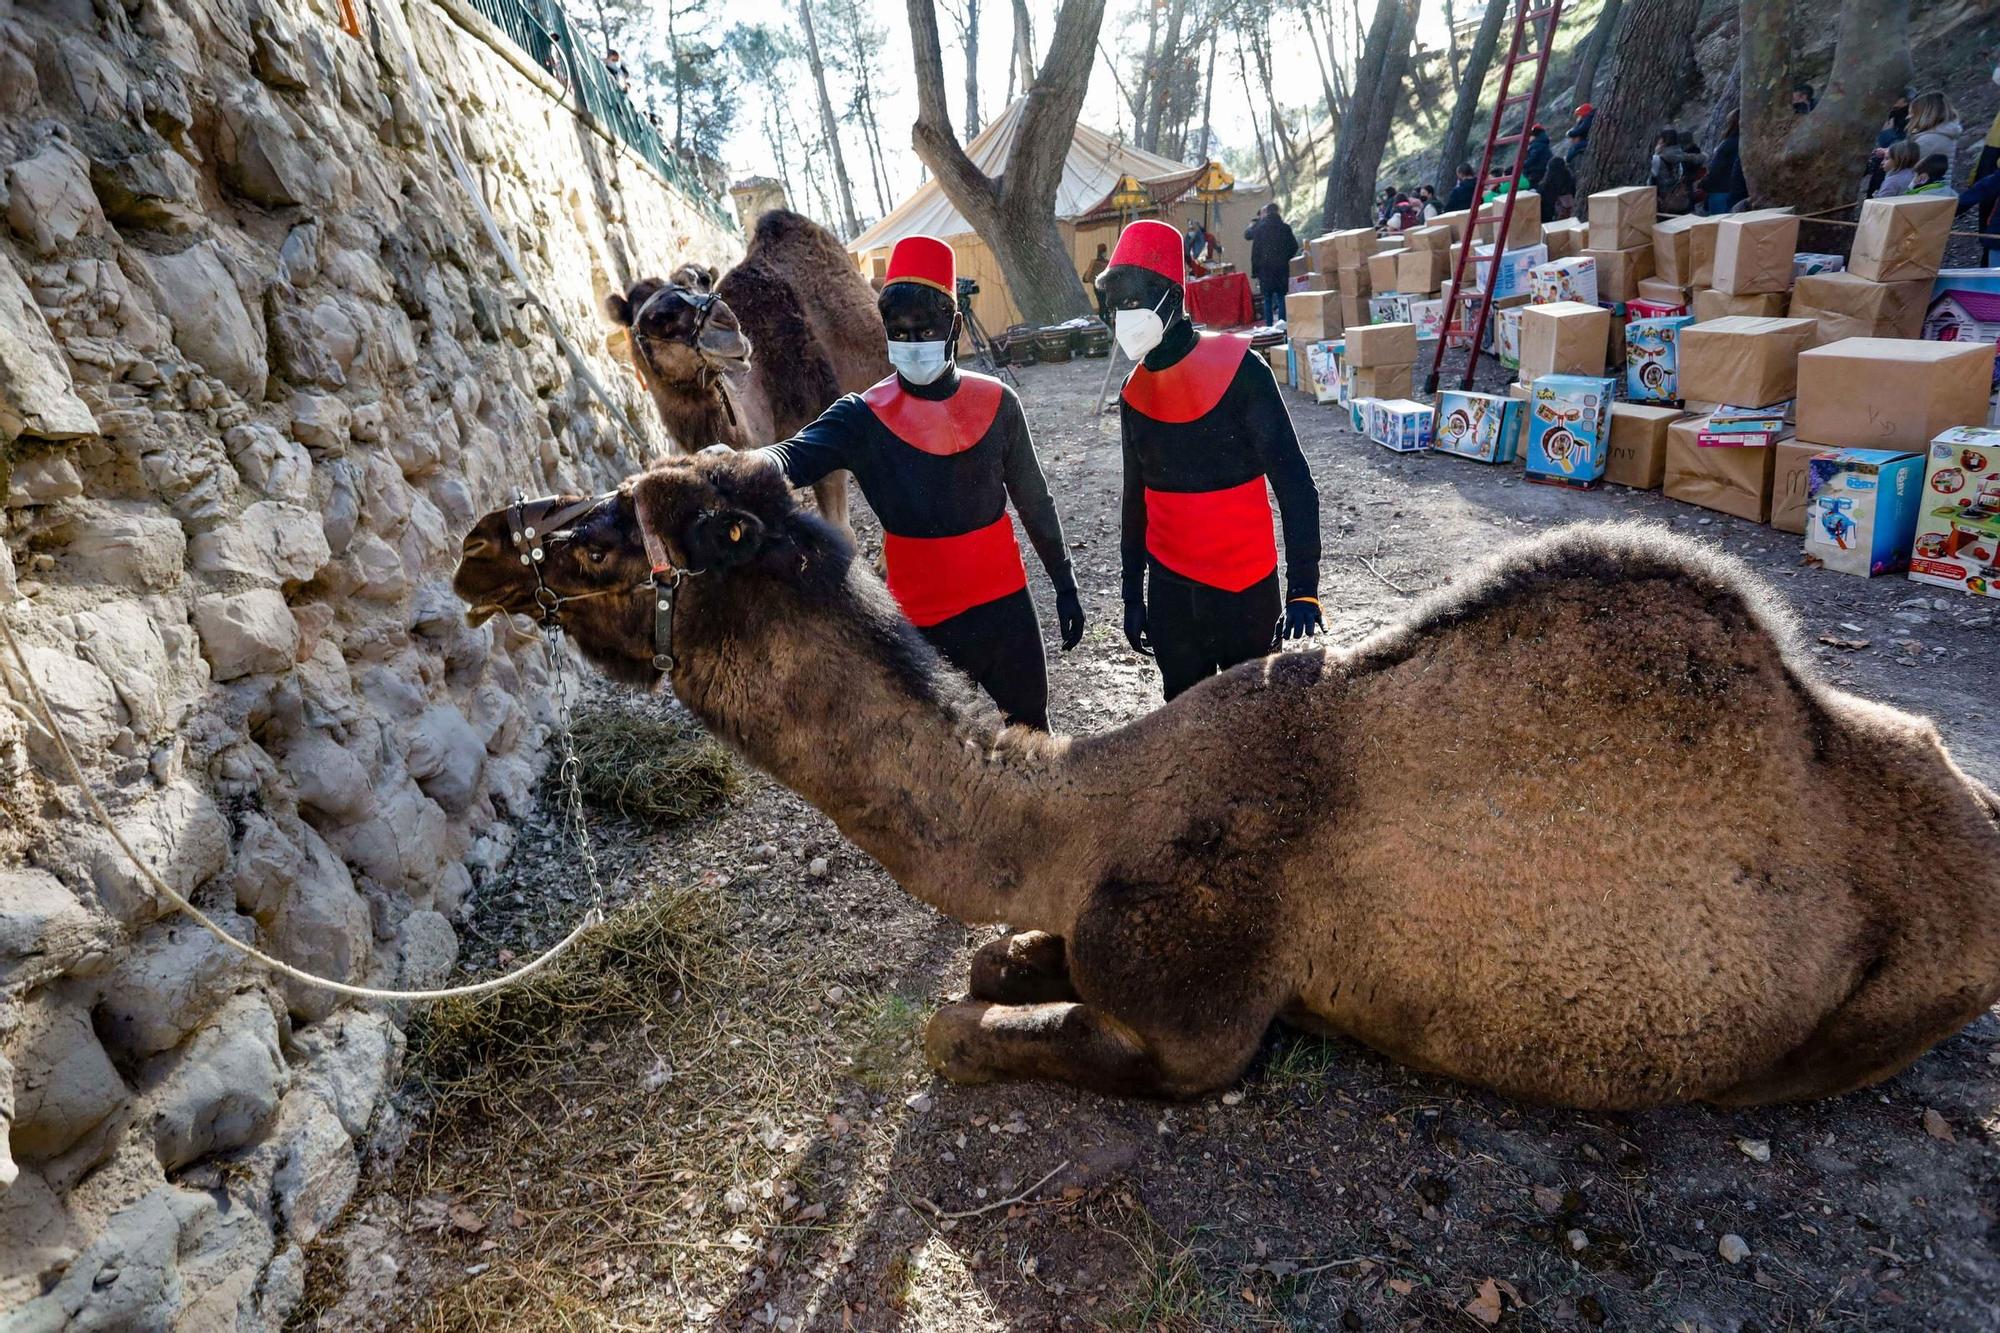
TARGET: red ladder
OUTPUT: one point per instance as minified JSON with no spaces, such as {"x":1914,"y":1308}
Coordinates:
{"x":1456,"y":330}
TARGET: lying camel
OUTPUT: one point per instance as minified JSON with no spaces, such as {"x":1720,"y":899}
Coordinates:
{"x":1583,"y":830}
{"x":751,"y":357}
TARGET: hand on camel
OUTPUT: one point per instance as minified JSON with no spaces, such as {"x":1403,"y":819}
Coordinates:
{"x":1302,"y":619}
{"x":1069,"y":615}
{"x":1135,"y":628}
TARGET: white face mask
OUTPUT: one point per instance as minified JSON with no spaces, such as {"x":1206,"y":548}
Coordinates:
{"x":920,"y":363}
{"x":1139,"y":331}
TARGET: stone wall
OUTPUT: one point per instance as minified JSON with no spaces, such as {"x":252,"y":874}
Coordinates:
{"x":259,"y":369}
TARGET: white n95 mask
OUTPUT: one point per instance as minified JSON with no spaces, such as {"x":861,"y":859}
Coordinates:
{"x":920,"y":363}
{"x":1139,"y":331}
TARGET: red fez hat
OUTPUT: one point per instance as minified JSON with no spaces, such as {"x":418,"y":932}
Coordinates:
{"x":924,"y":260}
{"x":1152,"y":245}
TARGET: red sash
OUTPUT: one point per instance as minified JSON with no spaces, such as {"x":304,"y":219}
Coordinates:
{"x":1221,"y":538}
{"x":1190,"y":388}
{"x":936,"y":578}
{"x":940,"y":426}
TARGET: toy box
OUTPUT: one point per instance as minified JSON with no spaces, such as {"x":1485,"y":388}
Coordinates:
{"x":1564,"y":280}
{"x":1652,"y":359}
{"x":1400,"y":424}
{"x":1957,"y":543}
{"x":1569,"y":425}
{"x":1861,"y":509}
{"x":1428,"y":316}
{"x":1965,"y":307}
{"x":1485,"y":427}
{"x":1641,"y":307}
{"x":1805,"y":264}
{"x":1324,"y":358}
{"x":1393,"y":308}
{"x":1507,"y":335}
{"x":1360,"y":412}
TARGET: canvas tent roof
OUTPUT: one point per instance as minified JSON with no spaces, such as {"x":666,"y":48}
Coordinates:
{"x":1090,"y":171}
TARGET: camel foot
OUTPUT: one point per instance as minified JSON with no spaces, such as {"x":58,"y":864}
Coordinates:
{"x":976,"y":1042}
{"x":1030,"y":967}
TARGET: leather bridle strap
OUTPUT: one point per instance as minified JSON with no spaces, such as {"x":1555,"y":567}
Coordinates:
{"x":667,"y":579}
{"x":529,"y":539}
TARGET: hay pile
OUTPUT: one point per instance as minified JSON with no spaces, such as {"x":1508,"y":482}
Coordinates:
{"x":653,"y":767}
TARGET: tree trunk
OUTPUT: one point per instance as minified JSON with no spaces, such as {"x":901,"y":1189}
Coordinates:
{"x":1014,"y":213}
{"x":1156,"y":110}
{"x":1319,"y":58}
{"x":1364,"y":130}
{"x":1653,"y":70}
{"x":970,"y":35}
{"x":1593,"y":51}
{"x":1478,"y":61}
{"x":1451,"y":47}
{"x":828,"y":125}
{"x":1281,"y":139}
{"x":1024,"y":46}
{"x":1142,"y":96}
{"x":1208,"y":95}
{"x":1812,"y":161}
{"x":1256,"y":129}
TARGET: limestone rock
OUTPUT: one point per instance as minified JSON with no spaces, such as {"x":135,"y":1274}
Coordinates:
{"x":173,"y":978}
{"x":445,"y":757}
{"x":223,"y":1255}
{"x":327,"y":778}
{"x":211,"y":323}
{"x":298,"y":352}
{"x":272,"y":542}
{"x":9,"y":1170}
{"x":37,"y":394}
{"x":246,"y":632}
{"x":119,"y":638}
{"x":269,"y":463}
{"x":43,"y":479}
{"x":349,"y":1061}
{"x":50,"y":202}
{"x":317,"y":1169}
{"x":80,"y":697}
{"x":340,"y":510}
{"x":44,"y":930}
{"x":320,"y":422}
{"x":65,"y":1087}
{"x":400,"y":845}
{"x":127,"y":545}
{"x":277,"y":59}
{"x":375,"y":569}
{"x":222,"y":1090}
{"x":427,"y":948}
{"x":259,"y":149}
{"x":141,"y":182}
{"x":322,"y":926}
{"x":180,"y":833}
{"x":128,"y":1278}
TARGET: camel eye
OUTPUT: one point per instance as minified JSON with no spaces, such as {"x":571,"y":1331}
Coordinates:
{"x":736,"y":532}
{"x":597,"y":557}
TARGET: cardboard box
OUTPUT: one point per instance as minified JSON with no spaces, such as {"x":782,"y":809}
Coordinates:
{"x":1353,"y":281}
{"x":1729,"y":481}
{"x":1641,"y":308}
{"x":1614,"y":359}
{"x":1573,"y":279}
{"x":1637,"y":455}
{"x":1789,"y":482}
{"x":1350,"y":248}
{"x":1389,"y":241}
{"x":1569,"y":429}
{"x":1563,"y":338}
{"x":1484,"y":427}
{"x":1380,"y":381}
{"x":1400,"y":424}
{"x":1324,"y":357}
{"x":1619,"y":271}
{"x":1355,"y":311}
{"x":1458,"y":221}
{"x":1806,"y":263}
{"x":1753,"y":252}
{"x":1505,"y":326}
{"x":1570,"y":236}
{"x":1957,"y":542}
{"x":1420,"y":272}
{"x":1382,"y":272}
{"x":1278,"y":358}
{"x":1302,"y":265}
{"x":1701,"y":251}
{"x":1434,"y":237}
{"x":1623,"y":219}
{"x":1525,"y":227}
{"x":1902,"y":237}
{"x":1311,"y":315}
{"x":1749,"y":362}
{"x":1660,"y":291}
{"x":1861,"y":509}
{"x":1390,"y":308}
{"x":1652,"y":358}
{"x":1673,"y":249}
{"x":1710,"y":304}
{"x":1891,"y":393}
{"x":1428,"y":316}
{"x":1374,"y":345}
{"x":1301,"y":363}
{"x":1847,"y":305}
{"x":1515,"y":265}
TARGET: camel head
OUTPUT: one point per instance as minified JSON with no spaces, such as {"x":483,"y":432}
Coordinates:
{"x":682,"y":333}
{"x":726,"y":521}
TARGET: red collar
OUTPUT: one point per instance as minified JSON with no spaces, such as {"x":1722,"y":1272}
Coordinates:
{"x":1191,"y":387}
{"x":941,"y":426}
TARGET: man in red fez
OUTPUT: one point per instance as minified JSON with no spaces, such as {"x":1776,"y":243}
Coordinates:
{"x":1207,"y":441}
{"x":938,"y":452}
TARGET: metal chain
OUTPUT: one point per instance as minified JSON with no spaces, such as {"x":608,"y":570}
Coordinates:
{"x":569,"y":770}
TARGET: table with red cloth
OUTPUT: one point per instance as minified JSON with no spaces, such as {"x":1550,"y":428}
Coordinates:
{"x":1222,"y":301}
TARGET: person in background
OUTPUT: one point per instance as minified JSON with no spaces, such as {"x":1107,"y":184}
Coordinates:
{"x":1676,"y":165}
{"x":1463,"y":189}
{"x":1935,"y":125}
{"x":1726,"y":186}
{"x":1803,"y":100}
{"x":1982,"y":195}
{"x":1558,"y":190}
{"x":1989,"y":162}
{"x":939,"y":453}
{"x":1536,"y":159}
{"x":1427,"y":198}
{"x":1272,"y":245}
{"x":1899,"y":169}
{"x":1386,"y":207}
{"x":616,"y":68}
{"x":1577,"y":137}
{"x":1933,"y":176}
{"x":1097,"y":266}
{"x":1405,"y":214}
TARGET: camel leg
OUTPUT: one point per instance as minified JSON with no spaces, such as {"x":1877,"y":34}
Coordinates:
{"x":831,"y":496}
{"x":1024,"y":968}
{"x":978,"y":1042}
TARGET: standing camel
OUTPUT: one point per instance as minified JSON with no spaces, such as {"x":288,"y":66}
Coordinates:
{"x":1584,"y":829}
{"x":750,"y":359}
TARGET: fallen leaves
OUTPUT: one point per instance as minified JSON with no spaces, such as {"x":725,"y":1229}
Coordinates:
{"x":1485,"y":1305}
{"x":1938,"y":1127}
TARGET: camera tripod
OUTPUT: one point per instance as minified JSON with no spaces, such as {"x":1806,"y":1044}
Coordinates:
{"x":982,"y":343}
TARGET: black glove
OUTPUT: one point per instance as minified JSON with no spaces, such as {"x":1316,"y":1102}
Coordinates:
{"x":1069,"y":616}
{"x":1135,"y":628}
{"x":1301,"y":619}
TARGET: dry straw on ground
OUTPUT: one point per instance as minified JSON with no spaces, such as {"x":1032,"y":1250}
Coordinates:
{"x":649,"y":766}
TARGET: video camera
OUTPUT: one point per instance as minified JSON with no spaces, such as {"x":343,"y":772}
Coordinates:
{"x":967,"y":287}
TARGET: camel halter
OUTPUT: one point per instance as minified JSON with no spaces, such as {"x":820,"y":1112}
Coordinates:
{"x":667,"y":580}
{"x":530,"y":538}
{"x":713,"y":375}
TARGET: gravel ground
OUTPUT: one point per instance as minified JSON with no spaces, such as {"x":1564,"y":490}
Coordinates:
{"x":795,"y":1167}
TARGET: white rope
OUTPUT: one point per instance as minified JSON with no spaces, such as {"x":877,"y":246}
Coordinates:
{"x":278,"y":965}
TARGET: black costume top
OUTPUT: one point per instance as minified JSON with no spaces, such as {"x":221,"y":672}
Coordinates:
{"x":938,"y":463}
{"x":1202,"y":437}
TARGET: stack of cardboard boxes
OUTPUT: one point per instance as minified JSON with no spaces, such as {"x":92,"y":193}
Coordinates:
{"x":1381,"y":360}
{"x":1742,"y":264}
{"x":1621,"y":240}
{"x":1883,"y":292}
{"x":1742,"y":362}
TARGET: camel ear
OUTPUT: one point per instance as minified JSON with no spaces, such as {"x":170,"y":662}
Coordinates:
{"x":620,"y":310}
{"x":722,"y":539}
{"x":713,"y":273}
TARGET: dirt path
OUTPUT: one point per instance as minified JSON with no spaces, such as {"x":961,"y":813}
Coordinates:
{"x":760,"y":1147}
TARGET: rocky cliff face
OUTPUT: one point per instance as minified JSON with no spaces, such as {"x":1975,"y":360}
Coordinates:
{"x":259,"y":368}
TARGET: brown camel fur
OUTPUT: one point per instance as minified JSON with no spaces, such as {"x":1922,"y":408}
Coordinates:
{"x":1583,"y":829}
{"x":793,"y":326}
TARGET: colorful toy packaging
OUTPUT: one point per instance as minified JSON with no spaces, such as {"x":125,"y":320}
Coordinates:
{"x":1325,"y":359}
{"x":1485,"y":427}
{"x":1861,"y":509}
{"x":1804,"y":265}
{"x":1641,"y":308}
{"x":1428,"y":316}
{"x":1564,"y":280}
{"x":1569,"y":425}
{"x":1394,"y":308}
{"x":1965,"y":307}
{"x":1400,"y":424}
{"x":1957,"y":543}
{"x":1730,"y":427}
{"x":1361,"y":413}
{"x":1515,"y":265}
{"x":1652,"y":359}
{"x":1507,"y":336}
